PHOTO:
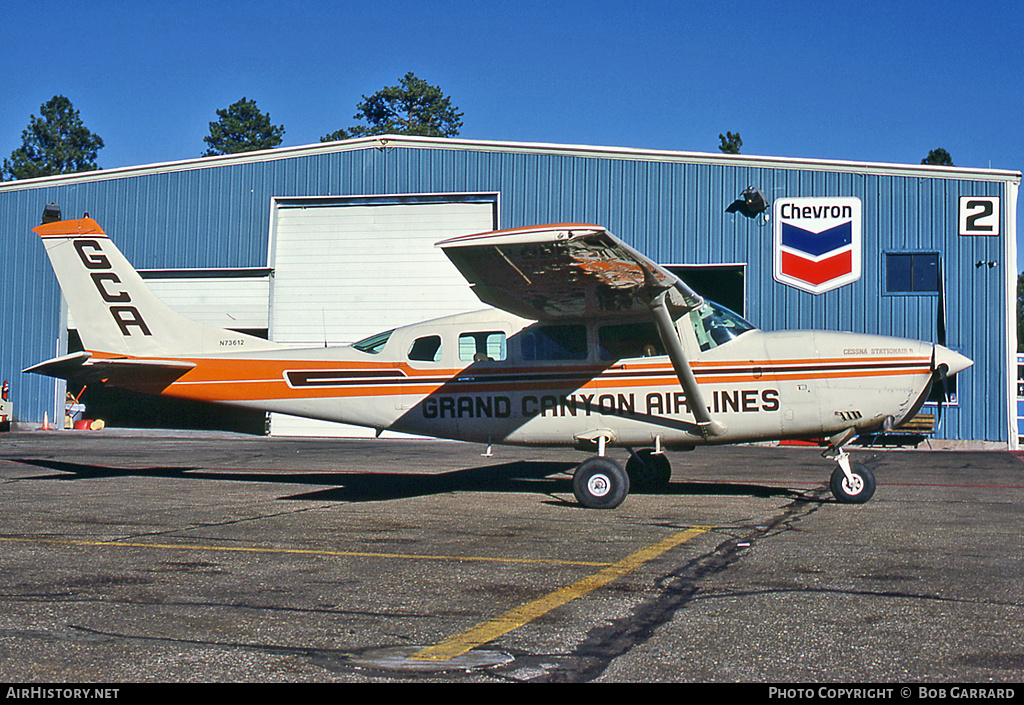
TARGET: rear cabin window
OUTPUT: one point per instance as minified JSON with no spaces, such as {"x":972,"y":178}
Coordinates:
{"x":554,"y":343}
{"x":629,"y":340}
{"x":482,"y":347}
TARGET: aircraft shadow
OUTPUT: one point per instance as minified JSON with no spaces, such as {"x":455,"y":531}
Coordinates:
{"x":539,"y":477}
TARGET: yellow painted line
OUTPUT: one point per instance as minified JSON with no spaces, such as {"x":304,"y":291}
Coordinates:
{"x":489,"y":631}
{"x":303,"y":551}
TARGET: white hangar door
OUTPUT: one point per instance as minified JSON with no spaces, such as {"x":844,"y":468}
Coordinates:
{"x":346,"y":268}
{"x":235,"y":299}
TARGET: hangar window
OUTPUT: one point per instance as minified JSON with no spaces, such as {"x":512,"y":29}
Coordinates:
{"x":912,"y":272}
{"x":554,"y":343}
{"x":724,"y":283}
{"x":426,"y":349}
{"x":481,"y":347}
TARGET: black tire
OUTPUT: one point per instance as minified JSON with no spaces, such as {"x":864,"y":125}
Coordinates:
{"x":600,"y":483}
{"x":860,"y":491}
{"x":648,"y":471}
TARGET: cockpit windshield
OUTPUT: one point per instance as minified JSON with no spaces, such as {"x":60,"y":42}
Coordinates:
{"x":716,"y":325}
{"x":374,"y":344}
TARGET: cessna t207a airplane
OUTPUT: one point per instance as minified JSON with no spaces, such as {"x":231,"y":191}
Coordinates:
{"x":589,"y":344}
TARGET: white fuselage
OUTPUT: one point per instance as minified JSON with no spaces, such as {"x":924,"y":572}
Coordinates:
{"x":490,"y":376}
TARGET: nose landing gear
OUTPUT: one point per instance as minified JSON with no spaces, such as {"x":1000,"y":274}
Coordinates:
{"x":851,"y":483}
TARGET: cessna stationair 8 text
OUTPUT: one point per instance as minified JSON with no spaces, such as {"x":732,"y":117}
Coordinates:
{"x":587,"y":344}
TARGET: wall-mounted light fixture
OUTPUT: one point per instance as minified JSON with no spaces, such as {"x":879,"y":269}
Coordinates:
{"x":751,"y":203}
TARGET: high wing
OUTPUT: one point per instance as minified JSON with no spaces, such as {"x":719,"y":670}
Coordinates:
{"x":572,"y":270}
{"x":576,"y":270}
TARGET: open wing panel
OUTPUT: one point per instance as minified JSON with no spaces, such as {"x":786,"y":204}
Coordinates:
{"x":559,"y":271}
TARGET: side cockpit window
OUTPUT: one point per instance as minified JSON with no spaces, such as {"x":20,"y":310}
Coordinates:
{"x":624,"y":340}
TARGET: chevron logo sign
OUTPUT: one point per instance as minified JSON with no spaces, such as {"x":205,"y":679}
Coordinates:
{"x":817,"y":242}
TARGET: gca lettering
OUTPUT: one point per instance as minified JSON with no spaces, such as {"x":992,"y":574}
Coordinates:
{"x":106,"y":282}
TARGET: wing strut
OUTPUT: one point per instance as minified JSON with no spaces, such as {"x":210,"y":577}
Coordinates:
{"x":670,"y":337}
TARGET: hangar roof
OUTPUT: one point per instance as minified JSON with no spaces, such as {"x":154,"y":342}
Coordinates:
{"x":622,"y":153}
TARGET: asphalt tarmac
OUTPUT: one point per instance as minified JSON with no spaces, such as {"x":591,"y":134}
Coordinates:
{"x":175,"y":557}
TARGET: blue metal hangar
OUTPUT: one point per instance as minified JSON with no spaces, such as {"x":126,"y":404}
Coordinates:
{"x":333,"y":242}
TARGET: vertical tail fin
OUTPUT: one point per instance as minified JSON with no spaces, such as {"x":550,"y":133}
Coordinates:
{"x":114,"y":309}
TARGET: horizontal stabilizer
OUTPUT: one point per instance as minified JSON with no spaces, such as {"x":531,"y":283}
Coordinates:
{"x":119,"y":372}
{"x":61,"y":367}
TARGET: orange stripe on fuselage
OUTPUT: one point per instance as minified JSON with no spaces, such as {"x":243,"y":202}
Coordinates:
{"x":242,"y":380}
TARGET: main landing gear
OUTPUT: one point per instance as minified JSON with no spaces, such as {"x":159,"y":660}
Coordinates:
{"x":648,"y":470}
{"x":601,"y":483}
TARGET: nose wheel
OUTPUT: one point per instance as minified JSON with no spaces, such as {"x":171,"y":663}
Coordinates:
{"x":851,"y":483}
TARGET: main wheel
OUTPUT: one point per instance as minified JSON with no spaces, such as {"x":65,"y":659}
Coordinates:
{"x":648,"y":471}
{"x":600,"y":483}
{"x":857,"y":491}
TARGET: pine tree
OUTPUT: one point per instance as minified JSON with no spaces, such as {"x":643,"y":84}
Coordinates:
{"x":242,"y":127}
{"x":56,"y":142}
{"x":413,"y":107}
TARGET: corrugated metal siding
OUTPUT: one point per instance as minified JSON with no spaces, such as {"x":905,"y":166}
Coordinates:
{"x":671,"y":207}
{"x":29,"y":305}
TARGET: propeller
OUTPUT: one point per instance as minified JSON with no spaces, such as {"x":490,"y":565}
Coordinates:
{"x":946,"y":362}
{"x":940,"y":372}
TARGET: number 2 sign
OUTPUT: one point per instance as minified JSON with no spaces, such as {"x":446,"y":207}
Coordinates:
{"x":979,"y":215}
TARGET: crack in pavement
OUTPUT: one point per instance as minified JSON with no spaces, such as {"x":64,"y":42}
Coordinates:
{"x":674,"y":591}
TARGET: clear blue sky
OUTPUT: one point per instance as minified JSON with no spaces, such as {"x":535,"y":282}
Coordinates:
{"x":870,"y":80}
